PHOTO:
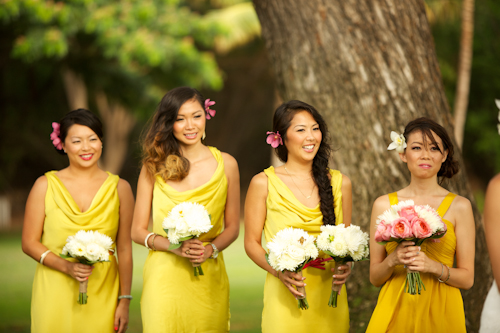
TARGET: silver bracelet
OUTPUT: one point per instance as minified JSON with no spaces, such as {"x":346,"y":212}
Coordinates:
{"x":126,"y":297}
{"x":146,"y":241}
{"x":42,"y":257}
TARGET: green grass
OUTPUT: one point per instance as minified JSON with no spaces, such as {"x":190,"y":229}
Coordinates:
{"x":17,"y":271}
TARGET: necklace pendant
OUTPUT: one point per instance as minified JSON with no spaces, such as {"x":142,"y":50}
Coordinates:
{"x":308,"y":197}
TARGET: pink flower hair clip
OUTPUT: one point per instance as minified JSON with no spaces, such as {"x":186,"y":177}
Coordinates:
{"x":210,"y":112}
{"x":54,"y":136}
{"x":274,"y":139}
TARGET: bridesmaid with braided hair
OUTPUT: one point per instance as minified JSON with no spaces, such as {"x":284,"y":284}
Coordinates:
{"x":303,"y":193}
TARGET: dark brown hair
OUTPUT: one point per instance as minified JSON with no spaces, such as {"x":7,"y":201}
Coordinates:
{"x":281,"y":122}
{"x":79,"y":117}
{"x":424,"y":125}
{"x":161,"y":153}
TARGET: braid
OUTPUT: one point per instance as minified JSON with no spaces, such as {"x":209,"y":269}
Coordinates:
{"x":320,"y":174}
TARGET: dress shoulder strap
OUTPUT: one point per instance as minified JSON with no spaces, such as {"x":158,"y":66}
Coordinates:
{"x":393,"y":198}
{"x":445,"y":204}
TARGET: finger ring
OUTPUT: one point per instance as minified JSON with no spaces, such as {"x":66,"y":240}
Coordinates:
{"x":187,"y":251}
{"x":418,"y":252}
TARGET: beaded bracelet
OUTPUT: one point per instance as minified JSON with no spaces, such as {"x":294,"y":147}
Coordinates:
{"x":449,"y":273}
{"x":153,"y":242}
{"x":126,"y":297}
{"x":42,"y":257}
{"x":146,"y":241}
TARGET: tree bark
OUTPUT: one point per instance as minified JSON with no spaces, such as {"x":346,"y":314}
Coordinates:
{"x":464,"y":69}
{"x":118,"y":123}
{"x":370,"y":67}
{"x":76,"y":90}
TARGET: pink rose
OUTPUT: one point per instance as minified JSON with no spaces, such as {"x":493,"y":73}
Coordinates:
{"x":408,"y":213}
{"x":420,"y":228}
{"x":383,"y":232}
{"x":401,"y":228}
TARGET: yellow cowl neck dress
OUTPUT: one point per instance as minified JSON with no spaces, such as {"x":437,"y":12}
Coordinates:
{"x":54,"y":303}
{"x":173,"y":299}
{"x":439,"y":308}
{"x":281,"y":313}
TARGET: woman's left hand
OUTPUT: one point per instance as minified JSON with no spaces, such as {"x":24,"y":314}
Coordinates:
{"x":422,"y":263}
{"x":121,"y":316}
{"x":344,"y":272}
{"x":204,"y":256}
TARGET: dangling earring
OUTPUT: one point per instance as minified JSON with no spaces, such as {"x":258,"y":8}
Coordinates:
{"x":204,"y":135}
{"x":102,"y":146}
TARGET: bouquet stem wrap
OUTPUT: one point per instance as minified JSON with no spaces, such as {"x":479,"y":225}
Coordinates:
{"x":302,"y":300}
{"x":197,"y":269}
{"x":335,"y":287}
{"x":413,"y":283}
{"x":82,"y":296}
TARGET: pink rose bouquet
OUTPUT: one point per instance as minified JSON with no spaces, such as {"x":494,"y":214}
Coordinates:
{"x":407,"y":221}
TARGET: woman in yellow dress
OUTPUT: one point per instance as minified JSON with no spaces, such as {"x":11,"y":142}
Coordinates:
{"x":428,"y":152}
{"x":303,"y":193}
{"x":178,"y":167}
{"x":79,"y":197}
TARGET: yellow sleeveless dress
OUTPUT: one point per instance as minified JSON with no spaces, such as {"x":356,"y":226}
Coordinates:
{"x":281,"y":313}
{"x":439,"y":308}
{"x":173,"y":299}
{"x":54,"y":303}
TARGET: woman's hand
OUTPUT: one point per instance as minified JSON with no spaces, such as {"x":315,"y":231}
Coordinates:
{"x":121,"y":315}
{"x":291,"y":279}
{"x":79,"y":272}
{"x":341,"y":277}
{"x":404,"y":253}
{"x":192,"y":249}
{"x":422,"y":263}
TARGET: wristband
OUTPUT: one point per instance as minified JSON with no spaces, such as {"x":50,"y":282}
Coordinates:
{"x":42,"y":257}
{"x":442,"y":271}
{"x":126,"y":297}
{"x":146,"y":241}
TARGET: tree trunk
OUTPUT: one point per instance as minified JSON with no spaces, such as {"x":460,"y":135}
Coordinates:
{"x":464,"y":68}
{"x":118,"y":123}
{"x":76,"y":90}
{"x":370,"y":67}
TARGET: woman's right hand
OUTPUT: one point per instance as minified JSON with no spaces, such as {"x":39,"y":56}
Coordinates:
{"x":191,"y":249}
{"x":79,"y":272}
{"x":291,"y":279}
{"x":404,"y":253}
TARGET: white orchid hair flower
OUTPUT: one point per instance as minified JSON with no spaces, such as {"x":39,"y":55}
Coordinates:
{"x":398,"y":142}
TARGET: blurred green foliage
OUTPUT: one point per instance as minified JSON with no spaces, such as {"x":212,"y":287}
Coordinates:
{"x":132,"y":50}
{"x":481,"y":140}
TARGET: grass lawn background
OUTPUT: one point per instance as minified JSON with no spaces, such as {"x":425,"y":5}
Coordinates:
{"x":17,"y":270}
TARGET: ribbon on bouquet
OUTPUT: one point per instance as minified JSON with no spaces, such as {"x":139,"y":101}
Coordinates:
{"x":317,"y":263}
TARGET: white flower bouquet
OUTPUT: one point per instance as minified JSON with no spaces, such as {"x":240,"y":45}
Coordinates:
{"x":185,"y":221}
{"x":88,"y":247}
{"x":289,"y":250}
{"x":343,"y":244}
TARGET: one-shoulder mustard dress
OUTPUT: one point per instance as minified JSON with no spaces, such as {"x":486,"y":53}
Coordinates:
{"x":173,"y":299}
{"x":54,"y":303}
{"x":439,"y":308}
{"x":281,"y":313}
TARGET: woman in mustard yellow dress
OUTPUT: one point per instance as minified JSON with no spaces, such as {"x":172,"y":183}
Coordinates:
{"x":79,"y":197}
{"x":428,"y":152}
{"x":178,"y":167}
{"x":303,"y":193}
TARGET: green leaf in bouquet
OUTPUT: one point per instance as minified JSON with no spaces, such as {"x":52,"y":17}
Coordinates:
{"x":174,"y":246}
{"x":267,"y":258}
{"x":182,"y":239}
{"x":65,"y":256}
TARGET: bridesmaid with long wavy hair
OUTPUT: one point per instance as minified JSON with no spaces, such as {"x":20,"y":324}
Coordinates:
{"x":81,"y":196}
{"x":178,"y":167}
